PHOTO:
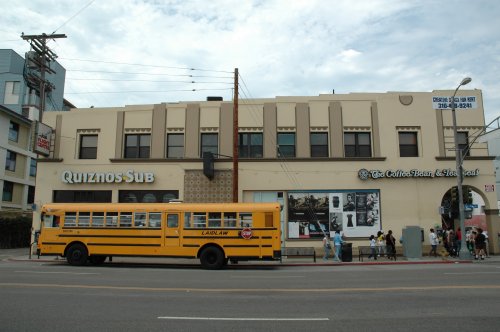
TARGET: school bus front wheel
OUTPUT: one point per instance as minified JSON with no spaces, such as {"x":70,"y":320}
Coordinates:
{"x":77,"y":254}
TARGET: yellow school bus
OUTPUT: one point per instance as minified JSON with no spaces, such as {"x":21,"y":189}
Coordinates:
{"x":213,"y":232}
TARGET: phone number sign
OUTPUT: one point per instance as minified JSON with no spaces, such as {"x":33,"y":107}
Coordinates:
{"x":444,"y":103}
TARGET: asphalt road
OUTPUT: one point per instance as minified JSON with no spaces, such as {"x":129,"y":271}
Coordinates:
{"x":52,"y":296}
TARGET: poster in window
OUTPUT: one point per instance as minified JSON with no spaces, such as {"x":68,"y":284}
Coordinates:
{"x":356,"y":213}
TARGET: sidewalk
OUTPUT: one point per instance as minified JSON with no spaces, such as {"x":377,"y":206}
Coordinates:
{"x":22,"y":254}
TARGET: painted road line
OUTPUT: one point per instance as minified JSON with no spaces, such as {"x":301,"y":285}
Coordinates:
{"x":244,"y":318}
{"x":53,"y":272}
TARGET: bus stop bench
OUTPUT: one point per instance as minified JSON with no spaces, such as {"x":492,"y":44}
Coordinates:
{"x":300,"y":252}
{"x":366,"y":251}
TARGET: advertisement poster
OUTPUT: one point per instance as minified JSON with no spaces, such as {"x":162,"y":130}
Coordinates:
{"x":354,"y":213}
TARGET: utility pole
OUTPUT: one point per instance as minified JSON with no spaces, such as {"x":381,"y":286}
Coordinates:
{"x":44,"y":56}
{"x":235,"y":138}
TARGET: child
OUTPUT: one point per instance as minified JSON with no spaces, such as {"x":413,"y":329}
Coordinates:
{"x":373,"y":248}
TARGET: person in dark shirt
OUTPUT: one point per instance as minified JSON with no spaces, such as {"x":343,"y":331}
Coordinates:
{"x":480,"y":244}
{"x":390,"y":242}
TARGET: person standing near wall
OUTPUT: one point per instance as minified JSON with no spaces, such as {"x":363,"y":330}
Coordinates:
{"x":434,"y":241}
{"x":390,"y":241}
{"x":337,"y":242}
{"x":326,"y":247}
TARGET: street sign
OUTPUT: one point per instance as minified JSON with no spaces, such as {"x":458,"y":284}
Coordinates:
{"x":471,"y":206}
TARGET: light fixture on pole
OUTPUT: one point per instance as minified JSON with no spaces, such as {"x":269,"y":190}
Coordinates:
{"x":464,"y":252}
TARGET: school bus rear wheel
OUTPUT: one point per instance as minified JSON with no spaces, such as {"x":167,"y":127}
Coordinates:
{"x":212,"y":258}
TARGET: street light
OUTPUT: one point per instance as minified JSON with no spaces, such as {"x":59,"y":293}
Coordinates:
{"x":464,"y":252}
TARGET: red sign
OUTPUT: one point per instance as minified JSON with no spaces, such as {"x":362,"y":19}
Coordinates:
{"x":246,"y":233}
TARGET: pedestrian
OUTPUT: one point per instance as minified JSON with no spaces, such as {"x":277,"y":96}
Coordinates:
{"x":337,"y":243}
{"x":452,"y":243}
{"x":469,"y":242}
{"x":458,"y":236}
{"x":480,"y":244}
{"x":373,"y":248}
{"x":390,"y":241}
{"x":433,"y":239}
{"x":381,"y":243}
{"x":486,"y":244}
{"x":327,"y":247}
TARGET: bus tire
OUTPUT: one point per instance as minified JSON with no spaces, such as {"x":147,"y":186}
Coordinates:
{"x":77,"y":254}
{"x":212,"y":258}
{"x":97,"y":259}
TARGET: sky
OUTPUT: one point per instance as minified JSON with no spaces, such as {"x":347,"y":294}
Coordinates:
{"x":130,"y":52}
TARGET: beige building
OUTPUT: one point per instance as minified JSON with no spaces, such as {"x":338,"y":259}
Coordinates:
{"x":359,"y":162}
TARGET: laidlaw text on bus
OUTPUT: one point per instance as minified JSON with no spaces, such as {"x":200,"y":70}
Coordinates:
{"x":109,"y":177}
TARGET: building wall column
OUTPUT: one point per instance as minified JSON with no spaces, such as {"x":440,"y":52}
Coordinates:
{"x":192,"y":135}
{"x":158,"y":131}
{"x":440,"y":133}
{"x":375,"y":130}
{"x":226,"y":129}
{"x":336,"y":130}
{"x":57,"y":138}
{"x":120,"y":122}
{"x":270,"y":129}
{"x":303,"y":130}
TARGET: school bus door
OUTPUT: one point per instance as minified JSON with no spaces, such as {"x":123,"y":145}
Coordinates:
{"x":172,"y":230}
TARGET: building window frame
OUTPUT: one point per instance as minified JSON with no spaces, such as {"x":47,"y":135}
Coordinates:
{"x":209,"y":143}
{"x":8,"y":191}
{"x":137,"y":146}
{"x":175,"y":145}
{"x":12,"y":92}
{"x":13,"y":131}
{"x":286,"y":144}
{"x":357,"y":144}
{"x":250,"y":145}
{"x":319,"y":144}
{"x":88,"y":146}
{"x":408,"y":144}
{"x":10,"y":161}
{"x":33,"y":166}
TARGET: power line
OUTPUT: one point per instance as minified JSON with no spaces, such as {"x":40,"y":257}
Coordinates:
{"x":72,"y":17}
{"x":154,"y":66}
{"x":145,"y":91}
{"x":131,"y":80}
{"x":139,"y":73}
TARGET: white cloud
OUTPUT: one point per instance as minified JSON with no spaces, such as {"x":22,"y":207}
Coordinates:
{"x":281,"y":47}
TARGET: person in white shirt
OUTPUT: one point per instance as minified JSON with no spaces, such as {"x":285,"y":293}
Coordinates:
{"x":433,"y":239}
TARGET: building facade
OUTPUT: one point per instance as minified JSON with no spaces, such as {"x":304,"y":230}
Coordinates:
{"x":18,"y":96}
{"x":358,"y":163}
{"x":17,"y":163}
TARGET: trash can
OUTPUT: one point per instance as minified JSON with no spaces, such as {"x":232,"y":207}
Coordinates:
{"x":346,"y":252}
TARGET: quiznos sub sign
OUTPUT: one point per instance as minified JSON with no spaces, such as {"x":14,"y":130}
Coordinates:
{"x":130,"y":176}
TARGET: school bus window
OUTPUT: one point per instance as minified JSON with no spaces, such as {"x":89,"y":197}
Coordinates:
{"x":199,"y":220}
{"x":125,"y":219}
{"x":140,"y":219}
{"x":83,"y":219}
{"x":173,"y":221}
{"x":269,"y":219}
{"x":155,"y":219}
{"x":187,"y":219}
{"x":111,"y":219}
{"x":229,"y":219}
{"x":70,"y":219}
{"x":214,"y":219}
{"x":57,"y":221}
{"x":246,"y":219}
{"x":48,"y":221}
{"x":97,"y":219}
